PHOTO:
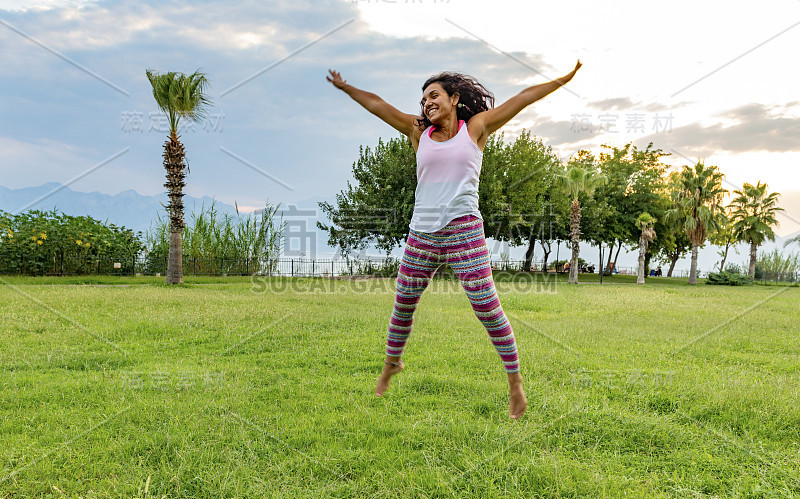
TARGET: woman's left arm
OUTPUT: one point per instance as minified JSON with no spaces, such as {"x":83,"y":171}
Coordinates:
{"x":489,"y":121}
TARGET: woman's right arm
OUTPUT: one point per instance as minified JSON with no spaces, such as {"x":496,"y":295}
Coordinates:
{"x":400,"y":121}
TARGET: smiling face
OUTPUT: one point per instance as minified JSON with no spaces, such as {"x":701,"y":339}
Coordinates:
{"x":436,"y":104}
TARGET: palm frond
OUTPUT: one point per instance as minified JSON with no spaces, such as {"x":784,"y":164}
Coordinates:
{"x":581,"y":179}
{"x":793,"y":240}
{"x":180,"y":96}
{"x":753,"y":212}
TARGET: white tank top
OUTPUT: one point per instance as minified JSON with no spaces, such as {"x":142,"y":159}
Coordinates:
{"x":447,"y":180}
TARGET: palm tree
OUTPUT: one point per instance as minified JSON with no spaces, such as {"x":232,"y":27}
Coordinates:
{"x":753,"y":215}
{"x":697,"y":202}
{"x":178,"y":96}
{"x":645,"y":222}
{"x":580,"y":178}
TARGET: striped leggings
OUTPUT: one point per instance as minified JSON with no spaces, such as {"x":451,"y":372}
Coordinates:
{"x":461,"y":244}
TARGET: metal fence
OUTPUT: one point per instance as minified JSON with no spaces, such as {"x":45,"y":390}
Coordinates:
{"x":777,"y":277}
{"x":221,"y":266}
{"x":319,"y":267}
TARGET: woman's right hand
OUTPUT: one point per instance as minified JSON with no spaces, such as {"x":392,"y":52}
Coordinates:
{"x":572,"y":73}
{"x":400,"y":121}
{"x":336,"y":78}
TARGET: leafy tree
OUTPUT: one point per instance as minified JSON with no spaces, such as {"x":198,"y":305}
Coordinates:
{"x":580,"y":179}
{"x":676,"y":245}
{"x":753,"y":214}
{"x":662,"y":227}
{"x":671,"y":243}
{"x":594,"y":210}
{"x":553,"y":226}
{"x":635,"y":184}
{"x":645,"y":222}
{"x":697,"y":196}
{"x":378,"y":207}
{"x":178,"y":96}
{"x":725,"y":238}
{"x":516,"y":180}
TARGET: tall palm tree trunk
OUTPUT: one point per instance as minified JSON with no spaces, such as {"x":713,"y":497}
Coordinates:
{"x":174,"y":156}
{"x":648,"y":234}
{"x":751,"y":271}
{"x":693,"y":271}
{"x":575,"y":234}
{"x":642,"y":251}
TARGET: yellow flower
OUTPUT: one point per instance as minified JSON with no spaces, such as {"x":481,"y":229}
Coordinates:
{"x":39,"y":242}
{"x":78,"y":241}
{"x":43,"y":235}
{"x":86,"y":245}
{"x":33,"y":238}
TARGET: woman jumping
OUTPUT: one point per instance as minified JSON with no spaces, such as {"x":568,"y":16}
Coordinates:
{"x":456,"y":119}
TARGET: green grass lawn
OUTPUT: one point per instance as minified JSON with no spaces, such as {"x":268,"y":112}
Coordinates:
{"x":233,"y":388}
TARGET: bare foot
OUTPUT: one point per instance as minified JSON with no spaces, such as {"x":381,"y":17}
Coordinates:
{"x":517,"y":402}
{"x":389,"y":370}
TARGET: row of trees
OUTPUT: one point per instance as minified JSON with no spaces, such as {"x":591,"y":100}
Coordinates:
{"x":623,"y":197}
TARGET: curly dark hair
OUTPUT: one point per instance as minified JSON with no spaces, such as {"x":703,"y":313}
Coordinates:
{"x":472,"y":96}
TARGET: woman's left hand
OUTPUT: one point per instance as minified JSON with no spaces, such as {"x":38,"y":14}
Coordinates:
{"x":336,"y":78}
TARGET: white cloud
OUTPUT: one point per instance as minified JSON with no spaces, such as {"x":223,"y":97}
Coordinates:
{"x":292,"y":120}
{"x":751,"y":127}
{"x":23,"y":5}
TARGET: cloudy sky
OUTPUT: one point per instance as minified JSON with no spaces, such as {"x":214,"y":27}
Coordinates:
{"x":702,"y":80}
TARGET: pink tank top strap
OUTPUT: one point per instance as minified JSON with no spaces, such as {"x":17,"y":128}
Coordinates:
{"x":433,"y":127}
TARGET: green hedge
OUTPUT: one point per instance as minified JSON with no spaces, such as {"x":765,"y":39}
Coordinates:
{"x":728,"y":278}
{"x":41,"y":242}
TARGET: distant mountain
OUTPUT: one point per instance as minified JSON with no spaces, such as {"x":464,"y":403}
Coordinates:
{"x":128,"y":208}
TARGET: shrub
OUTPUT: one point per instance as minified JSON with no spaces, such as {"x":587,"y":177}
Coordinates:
{"x":728,"y":278}
{"x":733,"y":268}
{"x":215,"y":243}
{"x":42,"y":242}
{"x":777,"y":265}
